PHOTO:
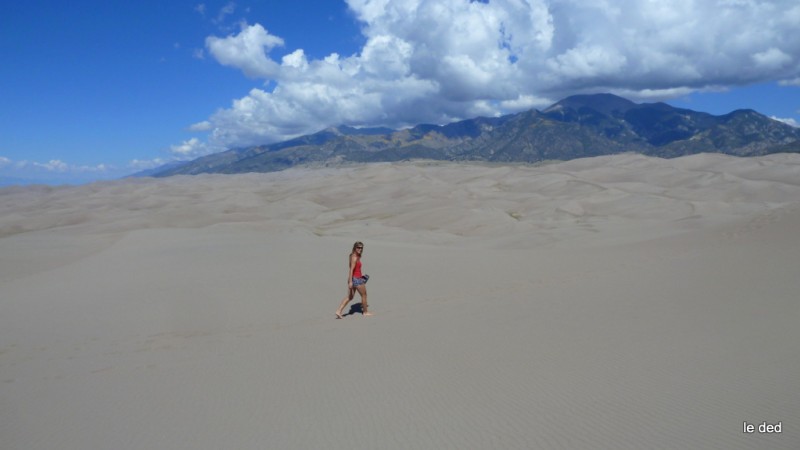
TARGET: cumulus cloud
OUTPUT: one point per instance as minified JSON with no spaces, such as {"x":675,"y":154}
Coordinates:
{"x":772,"y":59}
{"x":443,"y":60}
{"x":192,"y":148}
{"x":248,"y":51}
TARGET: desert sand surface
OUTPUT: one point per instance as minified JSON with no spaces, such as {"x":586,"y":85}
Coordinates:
{"x":620,"y":302}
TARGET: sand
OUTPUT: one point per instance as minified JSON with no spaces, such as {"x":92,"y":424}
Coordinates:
{"x":619,"y":302}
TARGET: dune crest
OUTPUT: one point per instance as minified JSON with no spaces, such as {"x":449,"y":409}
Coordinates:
{"x":416,"y":199}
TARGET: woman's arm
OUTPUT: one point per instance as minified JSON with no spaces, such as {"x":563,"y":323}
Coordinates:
{"x":353,"y":260}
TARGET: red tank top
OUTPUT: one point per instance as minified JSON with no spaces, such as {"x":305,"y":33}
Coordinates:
{"x":357,"y":270}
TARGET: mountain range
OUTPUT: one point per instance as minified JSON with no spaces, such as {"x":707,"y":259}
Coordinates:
{"x":576,"y":127}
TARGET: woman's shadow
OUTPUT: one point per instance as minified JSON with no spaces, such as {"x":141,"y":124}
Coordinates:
{"x":354,"y":309}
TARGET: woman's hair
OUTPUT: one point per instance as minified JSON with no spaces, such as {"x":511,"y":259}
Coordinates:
{"x":357,"y":244}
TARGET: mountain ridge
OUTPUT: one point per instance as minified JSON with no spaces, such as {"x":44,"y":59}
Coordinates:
{"x":575,"y":127}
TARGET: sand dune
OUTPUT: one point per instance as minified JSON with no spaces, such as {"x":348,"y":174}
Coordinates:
{"x":620,"y":302}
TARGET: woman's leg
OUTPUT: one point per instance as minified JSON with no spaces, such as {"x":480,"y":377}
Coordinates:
{"x":362,"y":290}
{"x":350,"y":294}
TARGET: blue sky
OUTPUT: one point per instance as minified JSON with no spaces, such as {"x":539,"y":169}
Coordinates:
{"x":96,"y":90}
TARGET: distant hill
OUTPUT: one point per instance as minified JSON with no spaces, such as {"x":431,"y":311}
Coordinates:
{"x":13,"y":181}
{"x":576,"y":127}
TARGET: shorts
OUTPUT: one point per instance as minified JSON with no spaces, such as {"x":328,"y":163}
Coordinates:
{"x":360,"y":281}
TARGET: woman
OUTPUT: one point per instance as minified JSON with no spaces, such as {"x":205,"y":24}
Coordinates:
{"x":355,"y":281}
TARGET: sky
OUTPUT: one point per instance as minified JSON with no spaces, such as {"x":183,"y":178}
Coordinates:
{"x":93,"y":90}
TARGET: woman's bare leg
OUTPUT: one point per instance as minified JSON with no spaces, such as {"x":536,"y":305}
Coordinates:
{"x":362,"y":291}
{"x":350,"y":294}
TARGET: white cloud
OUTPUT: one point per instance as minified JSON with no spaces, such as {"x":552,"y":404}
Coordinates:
{"x":772,"y":59}
{"x":787,"y":121}
{"x":296,"y":60}
{"x":144,"y":164}
{"x":201,"y":126}
{"x":524,"y":102}
{"x":54,"y":166}
{"x":225,"y":11}
{"x":586,"y":62}
{"x":441,"y":60}
{"x":247,"y":51}
{"x":791,"y":82}
{"x":192,"y":148}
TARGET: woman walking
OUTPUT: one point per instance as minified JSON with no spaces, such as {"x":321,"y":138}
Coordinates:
{"x":355,"y":281}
